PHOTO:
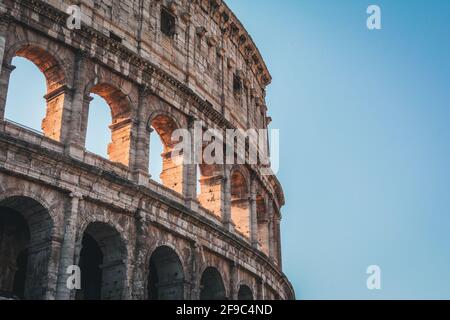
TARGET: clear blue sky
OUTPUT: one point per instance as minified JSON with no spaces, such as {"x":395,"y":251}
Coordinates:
{"x":364,"y":118}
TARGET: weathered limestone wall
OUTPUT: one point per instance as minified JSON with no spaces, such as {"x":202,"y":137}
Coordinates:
{"x":209,"y":70}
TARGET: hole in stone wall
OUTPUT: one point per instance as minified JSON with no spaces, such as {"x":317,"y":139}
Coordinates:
{"x":212,"y":287}
{"x":102,"y":263}
{"x":169,"y":166}
{"x":98,"y":135}
{"x":91,"y":258}
{"x":26,"y":104}
{"x":167,"y":23}
{"x":237,"y":84}
{"x":245,"y":293}
{"x":25,"y":248}
{"x":198,"y":186}
{"x":166,"y":276}
{"x":156,"y":163}
{"x":120,"y":123}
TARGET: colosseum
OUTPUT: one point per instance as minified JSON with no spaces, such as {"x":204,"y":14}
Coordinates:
{"x":160,"y":65}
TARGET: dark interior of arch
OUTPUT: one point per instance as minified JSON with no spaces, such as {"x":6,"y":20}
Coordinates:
{"x":25,"y":245}
{"x":211,"y":285}
{"x":245,"y":293}
{"x":166,"y":276}
{"x":102,"y":263}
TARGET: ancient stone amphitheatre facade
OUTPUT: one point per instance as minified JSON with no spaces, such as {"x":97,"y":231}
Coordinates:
{"x":160,"y":65}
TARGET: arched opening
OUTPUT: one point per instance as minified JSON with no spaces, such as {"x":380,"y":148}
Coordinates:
{"x":245,"y":293}
{"x":25,"y":248}
{"x":98,"y":135}
{"x":18,"y":108}
{"x":102,"y":263}
{"x":156,"y":163}
{"x":240,"y":198}
{"x":118,"y":149}
{"x":171,"y":167}
{"x":91,"y":259}
{"x":263,"y":224}
{"x":166,"y":276}
{"x":210,"y":181}
{"x":40,"y":67}
{"x":198,"y":185}
{"x":211,"y":285}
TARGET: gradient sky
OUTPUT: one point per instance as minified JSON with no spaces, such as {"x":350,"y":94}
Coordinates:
{"x":365,"y":141}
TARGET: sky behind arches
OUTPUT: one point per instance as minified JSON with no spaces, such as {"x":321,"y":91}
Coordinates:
{"x":365,"y":140}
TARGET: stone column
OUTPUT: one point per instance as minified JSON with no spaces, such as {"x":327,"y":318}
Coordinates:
{"x":76,"y":136}
{"x":226,"y":199}
{"x":263,"y":229}
{"x":253,"y":214}
{"x":68,"y":246}
{"x":278,"y":240}
{"x":4,"y":84}
{"x":86,"y":101}
{"x":2,"y":47}
{"x":260,"y":289}
{"x":139,"y":267}
{"x":190,"y":169}
{"x":196,"y":261}
{"x":234,"y":280}
{"x":119,"y":150}
{"x":56,"y":123}
{"x":141,"y":145}
{"x":5,"y":68}
{"x":271,"y":231}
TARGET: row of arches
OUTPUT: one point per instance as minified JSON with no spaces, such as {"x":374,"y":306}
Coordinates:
{"x":104,"y":114}
{"x":26,"y":230}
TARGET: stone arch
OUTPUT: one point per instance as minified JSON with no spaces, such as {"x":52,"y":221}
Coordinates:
{"x":240,"y":200}
{"x":245,"y":293}
{"x":166,"y":278}
{"x":103,"y":260}
{"x":39,"y":198}
{"x":26,"y":248}
{"x":120,"y":104}
{"x":212,"y":286}
{"x":57,"y":82}
{"x":164,"y":124}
